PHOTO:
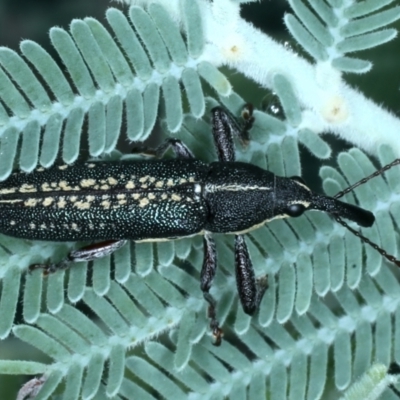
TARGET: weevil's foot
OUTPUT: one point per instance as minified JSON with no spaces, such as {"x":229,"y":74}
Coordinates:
{"x":216,"y":331}
{"x":217,"y":334}
{"x":247,"y":115}
{"x":47,"y":269}
{"x":50,"y":268}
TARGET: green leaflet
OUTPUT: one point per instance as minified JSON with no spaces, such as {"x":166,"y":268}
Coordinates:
{"x":111,"y":72}
{"x":314,"y":26}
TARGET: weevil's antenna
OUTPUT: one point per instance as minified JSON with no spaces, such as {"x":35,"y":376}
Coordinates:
{"x":357,"y":233}
{"x":376,"y":173}
{"x":366,"y":240}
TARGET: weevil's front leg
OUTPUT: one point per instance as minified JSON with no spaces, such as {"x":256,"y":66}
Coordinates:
{"x":178,"y":147}
{"x":206,"y":278}
{"x":251,"y":290}
{"x":225,"y":126}
{"x":87,"y":253}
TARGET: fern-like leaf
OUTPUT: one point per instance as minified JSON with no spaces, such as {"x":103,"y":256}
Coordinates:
{"x":107,"y":75}
{"x":318,"y":31}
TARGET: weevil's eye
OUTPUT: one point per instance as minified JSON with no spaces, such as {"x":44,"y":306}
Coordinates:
{"x":295,"y":210}
{"x":298,"y":179}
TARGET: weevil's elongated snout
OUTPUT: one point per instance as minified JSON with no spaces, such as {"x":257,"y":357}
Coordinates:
{"x":338,"y":208}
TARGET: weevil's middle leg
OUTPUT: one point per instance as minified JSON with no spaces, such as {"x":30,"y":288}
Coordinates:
{"x":206,"y":278}
{"x":250,"y":289}
{"x":87,"y":253}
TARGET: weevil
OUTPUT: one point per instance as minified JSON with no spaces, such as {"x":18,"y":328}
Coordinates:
{"x":157,"y":199}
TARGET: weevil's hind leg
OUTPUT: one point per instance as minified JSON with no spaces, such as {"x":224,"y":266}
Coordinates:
{"x":225,"y":126}
{"x":250,"y":289}
{"x":178,"y":147}
{"x":206,"y":278}
{"x":87,"y":253}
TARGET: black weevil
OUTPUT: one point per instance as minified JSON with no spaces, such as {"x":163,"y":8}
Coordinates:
{"x":154,"y":200}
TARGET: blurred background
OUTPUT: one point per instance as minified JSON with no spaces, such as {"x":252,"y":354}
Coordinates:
{"x":27,"y":19}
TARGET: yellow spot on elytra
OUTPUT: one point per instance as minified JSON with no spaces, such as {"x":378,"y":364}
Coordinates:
{"x":91,"y":165}
{"x":182,"y":180}
{"x":105,"y":187}
{"x":53,"y":184}
{"x":121,"y":202}
{"x":144,"y":186}
{"x":152,"y":179}
{"x":32,"y":225}
{"x":65,"y":186}
{"x":25,"y":188}
{"x":43,"y":226}
{"x":75,"y":227}
{"x":46,"y":187}
{"x":170,"y":182}
{"x":82,"y":205}
{"x":62,"y":167}
{"x":121,"y":196}
{"x":191,"y":179}
{"x":40,"y":169}
{"x":106,"y":204}
{"x":130,"y":185}
{"x":151,"y":196}
{"x":73,"y":199}
{"x":112,"y":181}
{"x":143,"y":202}
{"x":10,"y":201}
{"x":48,"y":201}
{"x":159,"y":184}
{"x":164,"y":196}
{"x":30,"y":202}
{"x":87,"y":182}
{"x":144,"y":178}
{"x":176,"y":197}
{"x":61,"y":203}
{"x":105,"y":196}
{"x":12,"y":222}
{"x":8,"y":190}
{"x":136,"y":196}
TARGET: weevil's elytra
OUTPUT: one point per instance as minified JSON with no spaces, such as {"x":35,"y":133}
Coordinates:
{"x":156,"y":200}
{"x":159,"y":201}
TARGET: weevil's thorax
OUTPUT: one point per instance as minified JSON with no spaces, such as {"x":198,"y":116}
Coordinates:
{"x":239,"y":196}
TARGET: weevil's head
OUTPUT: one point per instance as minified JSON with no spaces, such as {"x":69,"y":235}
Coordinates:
{"x":303,"y":199}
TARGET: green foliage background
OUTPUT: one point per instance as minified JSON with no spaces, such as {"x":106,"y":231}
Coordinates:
{"x":263,"y":336}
